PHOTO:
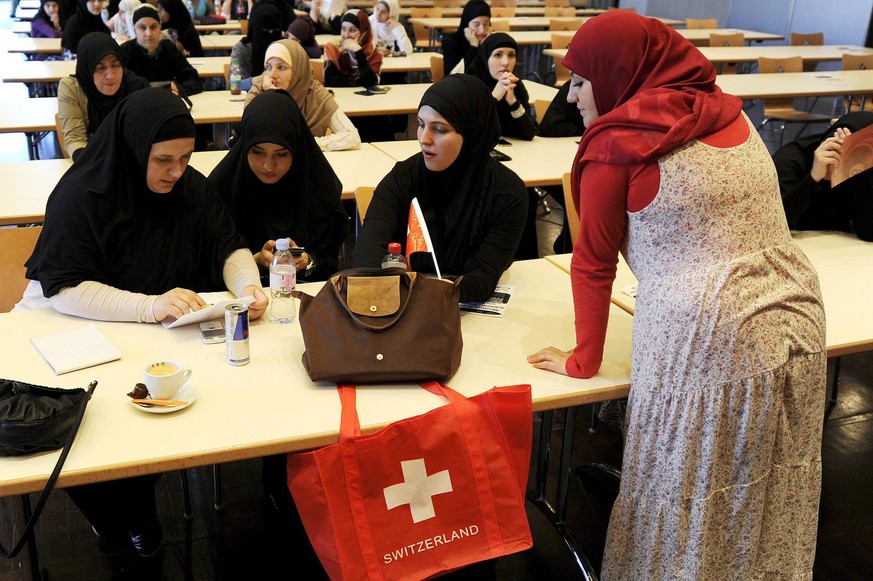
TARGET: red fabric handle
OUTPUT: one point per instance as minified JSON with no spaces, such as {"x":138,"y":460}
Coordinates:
{"x":350,"y":425}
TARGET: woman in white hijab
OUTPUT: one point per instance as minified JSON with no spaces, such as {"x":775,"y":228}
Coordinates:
{"x":388,"y":33}
{"x":121,"y":24}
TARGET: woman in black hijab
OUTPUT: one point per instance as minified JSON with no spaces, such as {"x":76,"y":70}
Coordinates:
{"x":475,"y":207}
{"x":474,"y":28}
{"x":804,"y":180}
{"x":128,"y":230}
{"x":136,"y":228}
{"x":49,"y":20}
{"x":175,"y":16}
{"x":277,"y":183}
{"x":99,"y":84}
{"x":86,"y":19}
{"x":493,"y":65}
{"x":157,"y":59}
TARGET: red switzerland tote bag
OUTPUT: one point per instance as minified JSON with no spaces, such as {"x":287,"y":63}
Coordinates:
{"x":424,"y":495}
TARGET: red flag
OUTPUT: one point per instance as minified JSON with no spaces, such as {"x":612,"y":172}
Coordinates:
{"x":417,"y":236}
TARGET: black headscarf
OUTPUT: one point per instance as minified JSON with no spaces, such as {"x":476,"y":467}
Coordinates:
{"x":452,"y":200}
{"x":180,"y":21}
{"x":472,"y":9}
{"x":103,"y":223}
{"x":80,"y":24}
{"x":305,"y":204}
{"x":42,"y":15}
{"x":93,"y":48}
{"x":265,"y":27}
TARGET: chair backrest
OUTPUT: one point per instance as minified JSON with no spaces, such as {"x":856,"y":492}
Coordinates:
{"x":551,"y":11}
{"x":570,"y":209}
{"x":552,"y":3}
{"x":59,"y":131}
{"x":541,"y":106}
{"x":732,"y":39}
{"x":561,"y":39}
{"x":810,"y":39}
{"x":227,"y":75}
{"x":562,"y":73}
{"x":502,"y":4}
{"x":499,"y":25}
{"x":790,"y":64}
{"x":437,"y":68}
{"x":571,"y":24}
{"x":701,"y":23}
{"x":446,"y":4}
{"x":858,"y":62}
{"x":503,"y":12}
{"x":16,"y":246}
{"x":363,"y":196}
{"x":244,"y":26}
{"x":317,"y":66}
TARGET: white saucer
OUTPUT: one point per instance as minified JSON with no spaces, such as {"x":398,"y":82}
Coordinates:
{"x":188,"y":393}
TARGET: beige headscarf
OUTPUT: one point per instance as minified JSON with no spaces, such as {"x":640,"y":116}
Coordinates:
{"x":315,"y":102}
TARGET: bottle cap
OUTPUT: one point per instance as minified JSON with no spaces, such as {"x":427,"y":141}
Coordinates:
{"x":393,"y":248}
{"x":282,"y":244}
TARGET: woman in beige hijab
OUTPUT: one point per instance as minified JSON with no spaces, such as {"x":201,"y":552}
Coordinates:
{"x":286,"y":67}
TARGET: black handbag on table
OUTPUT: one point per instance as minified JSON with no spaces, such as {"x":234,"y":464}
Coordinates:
{"x":34,"y":418}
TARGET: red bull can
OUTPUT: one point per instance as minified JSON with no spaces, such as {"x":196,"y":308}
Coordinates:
{"x":236,"y":329}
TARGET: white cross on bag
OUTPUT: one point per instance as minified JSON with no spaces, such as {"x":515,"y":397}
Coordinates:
{"x":417,"y":489}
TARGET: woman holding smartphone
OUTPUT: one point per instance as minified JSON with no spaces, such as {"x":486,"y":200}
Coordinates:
{"x":277,"y":183}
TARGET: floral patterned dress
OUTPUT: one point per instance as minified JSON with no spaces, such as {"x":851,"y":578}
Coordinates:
{"x":722,"y":466}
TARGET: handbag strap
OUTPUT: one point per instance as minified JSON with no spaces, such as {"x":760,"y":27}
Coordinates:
{"x":31,"y":522}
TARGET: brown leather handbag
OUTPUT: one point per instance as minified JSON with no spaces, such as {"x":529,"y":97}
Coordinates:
{"x":381,"y":325}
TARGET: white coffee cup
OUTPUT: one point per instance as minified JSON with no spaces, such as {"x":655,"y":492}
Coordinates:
{"x":164,"y":379}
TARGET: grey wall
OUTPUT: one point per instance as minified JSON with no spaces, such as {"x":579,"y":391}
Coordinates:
{"x":842,"y":21}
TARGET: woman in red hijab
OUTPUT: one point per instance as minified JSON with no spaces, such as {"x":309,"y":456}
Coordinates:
{"x":722,"y":468}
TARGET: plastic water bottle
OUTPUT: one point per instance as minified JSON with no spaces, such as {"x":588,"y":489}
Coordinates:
{"x":235,"y":77}
{"x":394,"y":258}
{"x":283,"y":279}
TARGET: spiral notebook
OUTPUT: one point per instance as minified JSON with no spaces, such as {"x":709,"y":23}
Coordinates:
{"x":75,"y":349}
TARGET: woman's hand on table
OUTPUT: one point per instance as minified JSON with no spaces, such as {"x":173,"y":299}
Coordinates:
{"x":827,"y":155}
{"x":175,"y":303}
{"x":550,"y":359}
{"x":259,"y":307}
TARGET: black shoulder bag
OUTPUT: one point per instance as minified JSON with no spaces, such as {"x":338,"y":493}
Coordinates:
{"x":34,"y":418}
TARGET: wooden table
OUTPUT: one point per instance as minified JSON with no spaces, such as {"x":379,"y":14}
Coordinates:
{"x":270,"y":406}
{"x":700,"y":36}
{"x":541,"y":162}
{"x":812,"y":84}
{"x":28,"y":184}
{"x":735,"y":54}
{"x":842,"y":262}
{"x":54,"y":71}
